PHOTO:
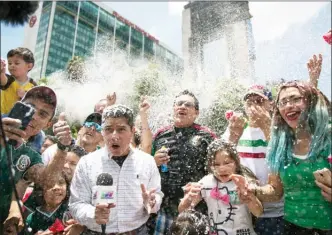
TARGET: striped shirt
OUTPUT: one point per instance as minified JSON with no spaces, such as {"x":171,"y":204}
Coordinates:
{"x":252,"y":148}
{"x":129,"y":213}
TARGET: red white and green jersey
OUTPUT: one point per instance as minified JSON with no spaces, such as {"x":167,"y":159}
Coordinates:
{"x":252,"y":148}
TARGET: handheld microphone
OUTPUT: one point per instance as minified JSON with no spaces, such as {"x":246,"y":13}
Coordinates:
{"x":104,"y":192}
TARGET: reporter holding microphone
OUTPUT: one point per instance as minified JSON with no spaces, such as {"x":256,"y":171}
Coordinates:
{"x":116,"y":187}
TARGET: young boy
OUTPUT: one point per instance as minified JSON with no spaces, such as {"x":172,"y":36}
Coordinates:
{"x":14,"y":86}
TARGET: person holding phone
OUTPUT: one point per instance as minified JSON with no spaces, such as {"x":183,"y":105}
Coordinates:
{"x":25,"y":161}
{"x":298,"y":156}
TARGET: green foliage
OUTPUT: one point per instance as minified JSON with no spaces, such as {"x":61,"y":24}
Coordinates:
{"x":75,"y":69}
{"x":43,"y":81}
{"x":227,"y":98}
{"x":147,"y":83}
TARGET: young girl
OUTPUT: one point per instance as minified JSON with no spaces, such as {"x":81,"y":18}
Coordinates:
{"x":227,"y":215}
{"x":55,"y":195}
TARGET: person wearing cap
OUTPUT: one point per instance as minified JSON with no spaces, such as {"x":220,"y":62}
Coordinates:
{"x":89,"y":137}
{"x":134,"y":173}
{"x":26,"y":162}
{"x":251,"y":137}
{"x":14,"y":86}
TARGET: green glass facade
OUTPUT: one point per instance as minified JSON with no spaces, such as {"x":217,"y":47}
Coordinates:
{"x":76,"y":26}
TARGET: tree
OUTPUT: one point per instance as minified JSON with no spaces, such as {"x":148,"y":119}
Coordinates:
{"x":43,"y":81}
{"x":227,"y":98}
{"x":147,"y":82}
{"x":75,"y":69}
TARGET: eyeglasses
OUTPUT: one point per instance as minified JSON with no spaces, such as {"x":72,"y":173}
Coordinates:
{"x":292,"y":101}
{"x":187,"y":104}
{"x":91,"y":124}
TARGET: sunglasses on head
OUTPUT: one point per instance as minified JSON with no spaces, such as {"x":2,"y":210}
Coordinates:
{"x":91,"y":124}
{"x":187,"y":104}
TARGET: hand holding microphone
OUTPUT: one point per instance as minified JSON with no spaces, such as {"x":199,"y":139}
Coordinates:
{"x":104,"y":192}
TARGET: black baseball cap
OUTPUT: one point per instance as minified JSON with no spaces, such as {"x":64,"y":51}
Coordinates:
{"x":94,"y":117}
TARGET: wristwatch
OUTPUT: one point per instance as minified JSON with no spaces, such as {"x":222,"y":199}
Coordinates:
{"x":65,"y":148}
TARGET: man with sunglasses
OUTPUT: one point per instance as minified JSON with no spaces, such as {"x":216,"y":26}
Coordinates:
{"x":89,"y":137}
{"x":251,"y":137}
{"x":180,"y":152}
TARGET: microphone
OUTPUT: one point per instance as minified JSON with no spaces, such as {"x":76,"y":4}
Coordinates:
{"x":104,"y":192}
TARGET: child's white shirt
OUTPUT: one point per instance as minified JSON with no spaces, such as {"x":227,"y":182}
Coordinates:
{"x":232,"y":218}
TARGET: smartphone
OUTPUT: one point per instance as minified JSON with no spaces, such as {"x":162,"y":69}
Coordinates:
{"x":23,"y":112}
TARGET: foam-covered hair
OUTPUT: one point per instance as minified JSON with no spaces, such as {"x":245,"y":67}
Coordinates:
{"x":316,"y":121}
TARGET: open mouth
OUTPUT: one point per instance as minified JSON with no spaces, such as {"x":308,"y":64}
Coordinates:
{"x":58,"y":194}
{"x":115,"y":146}
{"x":182,"y":113}
{"x":294,"y":115}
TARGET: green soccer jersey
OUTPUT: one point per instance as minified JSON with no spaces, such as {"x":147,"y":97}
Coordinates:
{"x":21,"y":159}
{"x":304,"y":204}
{"x":41,"y":220}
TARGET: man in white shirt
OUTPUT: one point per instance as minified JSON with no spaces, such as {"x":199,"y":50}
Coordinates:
{"x":134,"y":173}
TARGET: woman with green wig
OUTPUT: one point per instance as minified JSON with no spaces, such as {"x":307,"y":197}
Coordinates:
{"x":298,"y":155}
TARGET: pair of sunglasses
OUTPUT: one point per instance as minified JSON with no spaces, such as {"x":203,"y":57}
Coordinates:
{"x":91,"y":124}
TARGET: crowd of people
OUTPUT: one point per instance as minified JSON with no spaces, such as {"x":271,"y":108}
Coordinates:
{"x":268,"y":174}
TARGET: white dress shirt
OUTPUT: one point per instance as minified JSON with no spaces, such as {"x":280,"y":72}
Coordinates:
{"x":129,"y":212}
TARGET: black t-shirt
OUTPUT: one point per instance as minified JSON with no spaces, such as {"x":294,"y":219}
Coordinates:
{"x":119,"y":159}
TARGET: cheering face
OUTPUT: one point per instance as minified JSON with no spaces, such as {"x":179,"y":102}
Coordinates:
{"x":70,"y":165}
{"x":90,"y":133}
{"x":224,"y":166}
{"x":55,"y":192}
{"x":117,"y":135}
{"x":291,"y":104}
{"x":184,"y":110}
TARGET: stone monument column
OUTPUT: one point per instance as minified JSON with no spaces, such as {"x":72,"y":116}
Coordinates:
{"x":204,"y":22}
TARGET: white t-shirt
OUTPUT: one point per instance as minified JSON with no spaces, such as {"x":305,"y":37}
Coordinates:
{"x":49,"y":154}
{"x":252,"y":148}
{"x":232,"y":218}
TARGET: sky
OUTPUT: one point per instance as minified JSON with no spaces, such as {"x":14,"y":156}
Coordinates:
{"x":163,"y":20}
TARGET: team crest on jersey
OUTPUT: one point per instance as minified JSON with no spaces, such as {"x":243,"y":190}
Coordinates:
{"x":196,"y":140}
{"x":23,"y":163}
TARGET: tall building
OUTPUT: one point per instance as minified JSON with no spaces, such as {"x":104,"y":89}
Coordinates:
{"x":60,"y":30}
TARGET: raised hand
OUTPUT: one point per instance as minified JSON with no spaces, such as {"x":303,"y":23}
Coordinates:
{"x":61,"y":130}
{"x":236,"y":127}
{"x":149,"y":198}
{"x":3,"y":66}
{"x":314,"y":66}
{"x":144,"y":105}
{"x":11,"y":128}
{"x":111,"y":99}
